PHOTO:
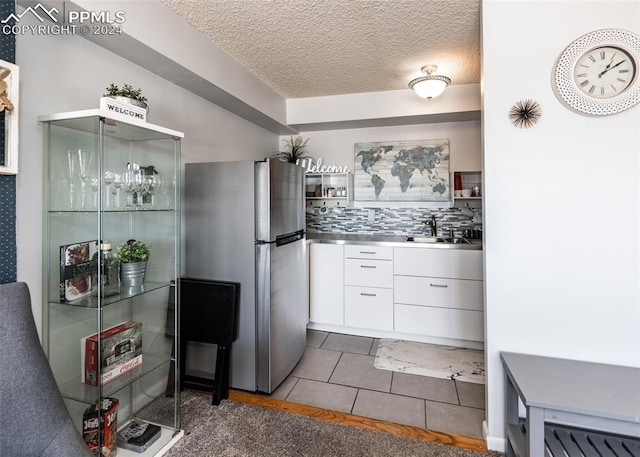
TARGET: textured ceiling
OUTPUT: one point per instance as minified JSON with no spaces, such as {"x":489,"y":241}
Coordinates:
{"x":307,"y":48}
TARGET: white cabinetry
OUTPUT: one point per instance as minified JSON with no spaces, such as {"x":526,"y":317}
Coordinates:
{"x":368,"y":287}
{"x":439,"y":293}
{"x":326,"y":283}
{"x":413,"y":293}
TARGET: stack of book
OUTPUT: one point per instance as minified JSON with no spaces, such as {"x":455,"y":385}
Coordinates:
{"x":138,"y":436}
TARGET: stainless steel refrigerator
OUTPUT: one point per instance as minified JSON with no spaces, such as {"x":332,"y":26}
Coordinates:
{"x":245,"y":222}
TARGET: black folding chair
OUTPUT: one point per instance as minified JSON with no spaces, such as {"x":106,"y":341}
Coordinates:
{"x":208,"y":314}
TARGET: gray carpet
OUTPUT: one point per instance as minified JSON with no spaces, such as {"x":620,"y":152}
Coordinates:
{"x":241,"y":430}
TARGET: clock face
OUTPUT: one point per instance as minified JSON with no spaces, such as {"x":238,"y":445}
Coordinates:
{"x":598,"y":73}
{"x":604,"y":72}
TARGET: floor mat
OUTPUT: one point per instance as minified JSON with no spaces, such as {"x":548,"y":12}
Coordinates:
{"x":431,"y":360}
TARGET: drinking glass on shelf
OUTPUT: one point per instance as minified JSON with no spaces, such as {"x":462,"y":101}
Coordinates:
{"x":117,"y":185}
{"x":107,"y":178}
{"x":95,"y":185}
{"x":84,"y":166}
{"x":155,"y":189}
{"x":145,"y":194}
{"x":71,"y":174}
{"x":139,"y":185}
{"x":129,"y":185}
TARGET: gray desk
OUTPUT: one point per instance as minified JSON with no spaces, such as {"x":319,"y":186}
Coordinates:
{"x":594,"y":396}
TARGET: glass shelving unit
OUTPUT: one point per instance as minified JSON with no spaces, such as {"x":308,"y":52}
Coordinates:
{"x":85,"y":204}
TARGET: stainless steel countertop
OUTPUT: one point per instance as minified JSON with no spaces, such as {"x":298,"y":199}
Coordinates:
{"x":386,"y":240}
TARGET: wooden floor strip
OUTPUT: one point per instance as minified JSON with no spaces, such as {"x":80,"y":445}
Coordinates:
{"x":407,"y":431}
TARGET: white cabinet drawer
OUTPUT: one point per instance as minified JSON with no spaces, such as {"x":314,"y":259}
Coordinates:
{"x":440,"y":292}
{"x":440,"y":322}
{"x":365,"y":272}
{"x":440,"y":263}
{"x":356,"y":251}
{"x":368,"y":307}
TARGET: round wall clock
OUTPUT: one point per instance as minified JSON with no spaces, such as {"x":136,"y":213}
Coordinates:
{"x":597,"y":74}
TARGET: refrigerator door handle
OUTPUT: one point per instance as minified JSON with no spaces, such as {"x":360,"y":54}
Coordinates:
{"x":289,"y":238}
{"x":281,"y":240}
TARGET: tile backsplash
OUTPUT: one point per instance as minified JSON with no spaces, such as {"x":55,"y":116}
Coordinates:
{"x":393,"y":221}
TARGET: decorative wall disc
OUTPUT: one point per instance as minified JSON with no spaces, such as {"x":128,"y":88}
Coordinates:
{"x":525,"y":113}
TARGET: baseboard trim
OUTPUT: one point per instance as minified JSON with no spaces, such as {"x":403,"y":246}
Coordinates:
{"x":407,"y":431}
{"x":496,"y":444}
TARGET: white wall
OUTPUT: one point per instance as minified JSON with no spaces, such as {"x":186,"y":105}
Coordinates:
{"x":561,"y":200}
{"x":67,"y":73}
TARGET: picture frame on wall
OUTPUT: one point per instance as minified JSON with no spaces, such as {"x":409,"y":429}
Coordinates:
{"x":410,"y":170}
{"x":9,"y":95}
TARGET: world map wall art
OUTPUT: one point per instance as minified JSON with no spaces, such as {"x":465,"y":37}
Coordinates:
{"x":415,"y":170}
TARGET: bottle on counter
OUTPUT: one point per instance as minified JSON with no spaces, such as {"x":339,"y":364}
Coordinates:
{"x":109,"y":272}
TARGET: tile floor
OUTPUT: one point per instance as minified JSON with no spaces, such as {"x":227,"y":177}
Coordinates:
{"x":336,"y":372}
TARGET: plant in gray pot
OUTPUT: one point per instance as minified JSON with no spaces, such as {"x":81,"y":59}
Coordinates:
{"x":133,"y":256}
{"x":294,"y":150}
{"x":127,"y":94}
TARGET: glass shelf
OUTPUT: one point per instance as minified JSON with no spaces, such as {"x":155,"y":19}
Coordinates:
{"x":90,"y":301}
{"x":85,"y":393}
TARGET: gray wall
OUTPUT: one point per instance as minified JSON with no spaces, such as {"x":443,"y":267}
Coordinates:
{"x":68,"y":73}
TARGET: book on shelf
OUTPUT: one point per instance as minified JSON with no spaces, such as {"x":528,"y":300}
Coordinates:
{"x":137,"y":436}
{"x":100,"y":425}
{"x":120,"y":351}
{"x":76,"y":266}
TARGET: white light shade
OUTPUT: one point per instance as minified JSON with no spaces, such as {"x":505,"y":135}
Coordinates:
{"x":429,"y":86}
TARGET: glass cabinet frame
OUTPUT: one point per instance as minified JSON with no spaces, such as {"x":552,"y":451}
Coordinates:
{"x":84,"y":207}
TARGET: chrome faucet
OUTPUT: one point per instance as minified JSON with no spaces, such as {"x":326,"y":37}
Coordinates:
{"x":434,"y":225}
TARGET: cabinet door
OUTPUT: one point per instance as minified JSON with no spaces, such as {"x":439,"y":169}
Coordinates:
{"x":440,"y":322}
{"x":326,"y":283}
{"x":368,"y":307}
{"x":438,"y":263}
{"x":439,"y":292}
{"x":364,"y":272}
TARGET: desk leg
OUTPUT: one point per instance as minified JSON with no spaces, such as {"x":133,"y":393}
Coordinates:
{"x":535,"y":432}
{"x":511,"y":414}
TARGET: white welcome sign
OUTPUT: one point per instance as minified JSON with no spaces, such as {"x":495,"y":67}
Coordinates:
{"x":316,"y":167}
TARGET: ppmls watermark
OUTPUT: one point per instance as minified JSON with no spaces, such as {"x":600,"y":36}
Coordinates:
{"x":56,"y":22}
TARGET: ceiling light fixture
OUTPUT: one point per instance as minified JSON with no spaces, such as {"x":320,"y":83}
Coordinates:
{"x":429,"y":86}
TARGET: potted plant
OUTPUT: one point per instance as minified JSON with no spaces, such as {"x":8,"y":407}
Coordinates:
{"x":127,"y":94}
{"x":133,"y":256}
{"x":294,"y":150}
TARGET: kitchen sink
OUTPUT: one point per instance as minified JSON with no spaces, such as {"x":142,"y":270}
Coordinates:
{"x":426,"y":239}
{"x":458,"y":239}
{"x":437,"y":239}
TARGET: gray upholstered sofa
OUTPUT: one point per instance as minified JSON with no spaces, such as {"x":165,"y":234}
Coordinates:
{"x":33,"y":418}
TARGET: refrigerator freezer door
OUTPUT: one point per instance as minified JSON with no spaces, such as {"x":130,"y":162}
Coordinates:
{"x":281,"y":311}
{"x":279,"y":199}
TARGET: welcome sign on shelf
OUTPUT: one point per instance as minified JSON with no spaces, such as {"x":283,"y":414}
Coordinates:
{"x":311,"y":166}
